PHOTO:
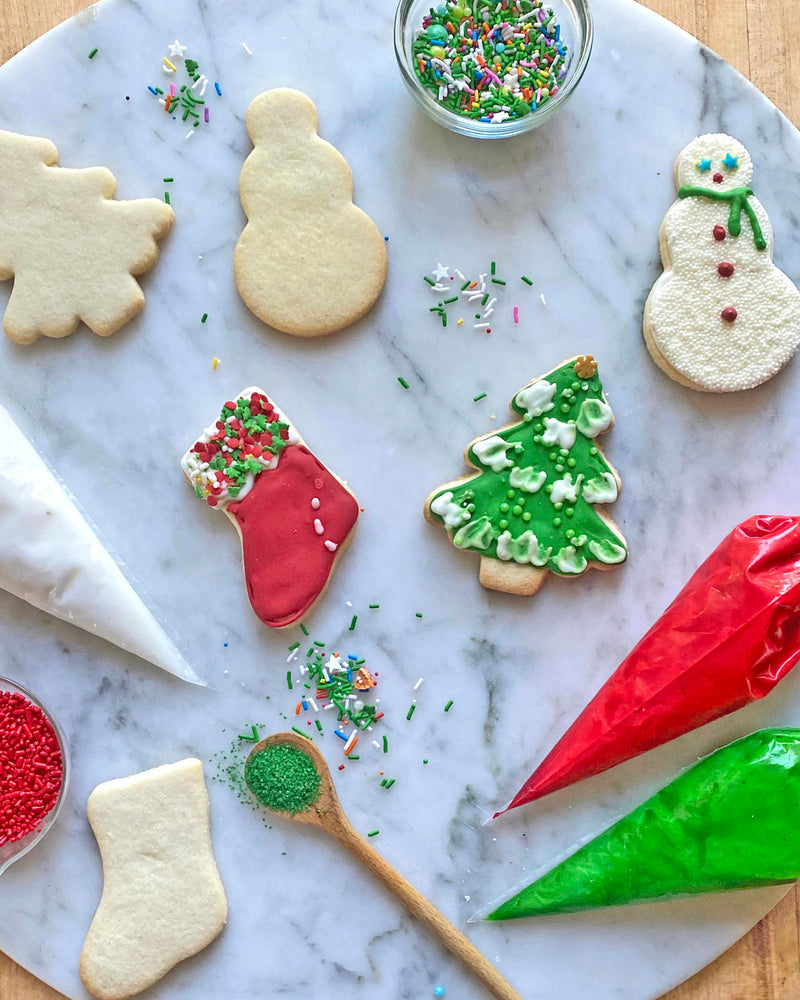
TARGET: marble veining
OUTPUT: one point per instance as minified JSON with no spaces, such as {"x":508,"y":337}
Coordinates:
{"x":577,"y":206}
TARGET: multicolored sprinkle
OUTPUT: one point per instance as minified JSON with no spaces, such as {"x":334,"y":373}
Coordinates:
{"x":490,"y":62}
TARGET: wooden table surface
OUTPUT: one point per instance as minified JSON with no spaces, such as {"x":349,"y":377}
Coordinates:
{"x":761,"y":38}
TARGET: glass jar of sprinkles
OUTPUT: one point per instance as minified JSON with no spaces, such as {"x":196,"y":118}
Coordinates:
{"x":492,"y":69}
{"x":35,"y":775}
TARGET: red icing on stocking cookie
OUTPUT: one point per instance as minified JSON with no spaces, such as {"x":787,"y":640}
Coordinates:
{"x":293,"y":514}
{"x":289,"y":543}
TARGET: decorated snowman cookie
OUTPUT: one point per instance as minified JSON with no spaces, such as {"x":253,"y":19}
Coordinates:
{"x":721,"y":317}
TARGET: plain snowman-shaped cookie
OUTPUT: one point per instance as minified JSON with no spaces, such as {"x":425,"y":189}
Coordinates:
{"x":309,"y":262}
{"x":721,"y":317}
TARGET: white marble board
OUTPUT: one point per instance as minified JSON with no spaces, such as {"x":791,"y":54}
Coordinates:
{"x":577,"y":206}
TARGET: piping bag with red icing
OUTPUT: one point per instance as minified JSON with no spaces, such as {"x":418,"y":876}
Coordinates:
{"x":294,"y":516}
{"x":727,"y":639}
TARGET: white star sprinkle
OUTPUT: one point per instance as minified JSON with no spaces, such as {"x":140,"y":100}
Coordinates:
{"x":176,"y":50}
{"x":441,"y":272}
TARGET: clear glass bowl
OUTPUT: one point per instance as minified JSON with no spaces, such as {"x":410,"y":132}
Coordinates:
{"x":9,"y":853}
{"x":575,"y":19}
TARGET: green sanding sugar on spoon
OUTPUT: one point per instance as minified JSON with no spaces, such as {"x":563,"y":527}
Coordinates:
{"x":283,"y":778}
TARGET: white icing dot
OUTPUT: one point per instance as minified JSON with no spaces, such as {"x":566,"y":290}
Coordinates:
{"x":315,"y":503}
{"x":331,"y":546}
{"x":318,"y":526}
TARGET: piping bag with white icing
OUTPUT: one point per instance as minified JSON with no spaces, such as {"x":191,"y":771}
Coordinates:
{"x":51,"y":558}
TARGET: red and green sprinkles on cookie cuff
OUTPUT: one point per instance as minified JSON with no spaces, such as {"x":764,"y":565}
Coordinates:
{"x":293,"y":514}
{"x":247,"y":439}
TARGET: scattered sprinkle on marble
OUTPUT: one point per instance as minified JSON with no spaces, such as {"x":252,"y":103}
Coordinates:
{"x":470,"y":292}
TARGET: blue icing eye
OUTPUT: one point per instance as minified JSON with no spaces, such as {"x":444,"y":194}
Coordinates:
{"x":731,"y":162}
{"x":703,"y":164}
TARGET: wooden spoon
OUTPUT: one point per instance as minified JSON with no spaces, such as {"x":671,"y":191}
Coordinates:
{"x":327,"y":814}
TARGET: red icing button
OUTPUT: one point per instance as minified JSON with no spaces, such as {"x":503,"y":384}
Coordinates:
{"x":729,"y":314}
{"x":718,"y":178}
{"x":719,"y":233}
{"x":725,"y":270}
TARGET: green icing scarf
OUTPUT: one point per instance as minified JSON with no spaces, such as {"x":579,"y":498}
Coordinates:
{"x":738,"y":197}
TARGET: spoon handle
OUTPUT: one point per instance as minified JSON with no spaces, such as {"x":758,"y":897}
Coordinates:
{"x":418,"y":906}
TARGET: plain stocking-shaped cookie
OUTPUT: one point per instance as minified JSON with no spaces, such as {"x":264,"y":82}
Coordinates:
{"x":72,"y":250}
{"x":309,"y":262}
{"x":530,"y":508}
{"x":721,"y":317}
{"x":293,"y":515}
{"x":162,"y":900}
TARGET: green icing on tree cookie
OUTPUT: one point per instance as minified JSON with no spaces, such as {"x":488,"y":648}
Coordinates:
{"x":532,"y":500}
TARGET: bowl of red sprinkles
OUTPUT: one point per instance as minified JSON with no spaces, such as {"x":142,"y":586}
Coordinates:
{"x":33,"y":771}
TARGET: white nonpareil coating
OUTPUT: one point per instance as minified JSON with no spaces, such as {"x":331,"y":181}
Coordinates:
{"x":51,"y":558}
{"x":162,"y":900}
{"x":537,"y":398}
{"x":684,"y":327}
{"x":557,"y":432}
{"x":491,"y":452}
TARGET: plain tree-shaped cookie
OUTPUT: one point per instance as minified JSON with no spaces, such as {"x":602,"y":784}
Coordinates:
{"x":309,"y":262}
{"x":71,"y":249}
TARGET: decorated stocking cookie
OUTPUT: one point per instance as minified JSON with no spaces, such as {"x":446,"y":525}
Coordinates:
{"x":309,"y":262}
{"x":721,"y":317}
{"x":294,"y":516}
{"x":70,"y":248}
{"x":531,"y":506}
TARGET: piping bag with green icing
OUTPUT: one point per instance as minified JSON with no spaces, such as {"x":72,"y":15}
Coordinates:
{"x":729,"y":822}
{"x":729,"y":637}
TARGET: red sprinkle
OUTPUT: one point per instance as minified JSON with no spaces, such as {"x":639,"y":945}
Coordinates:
{"x":31,"y":769}
{"x":724,"y":270}
{"x":719,"y":233}
{"x":729,"y":314}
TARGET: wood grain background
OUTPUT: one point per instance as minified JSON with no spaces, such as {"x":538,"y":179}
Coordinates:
{"x":761,"y":39}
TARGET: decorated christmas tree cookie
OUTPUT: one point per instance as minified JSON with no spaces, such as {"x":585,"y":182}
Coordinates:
{"x":293,"y":515}
{"x":729,"y":822}
{"x":71,"y":249}
{"x":721,"y":317}
{"x":532,"y":505}
{"x":309,"y":262}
